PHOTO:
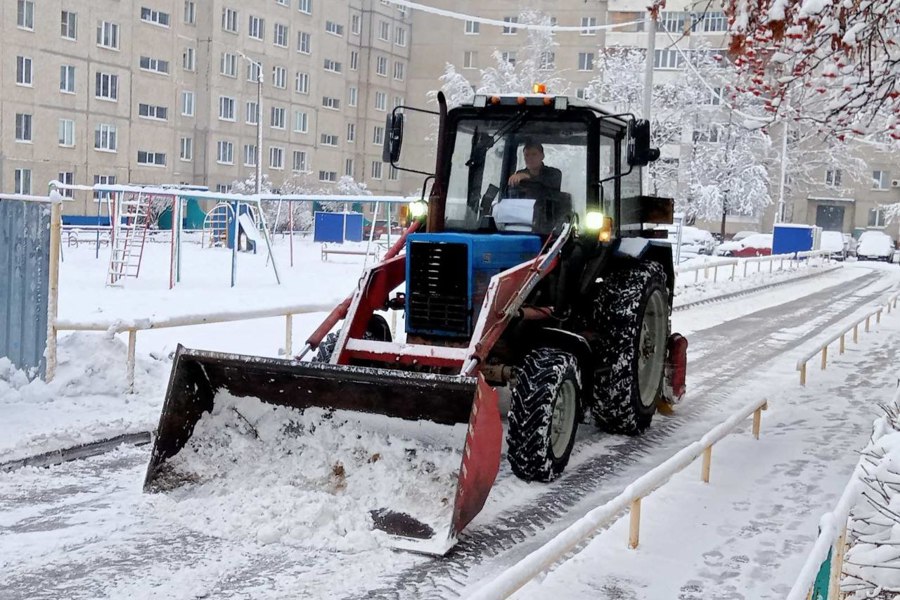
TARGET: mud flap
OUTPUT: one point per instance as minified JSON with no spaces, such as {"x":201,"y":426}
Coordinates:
{"x":198,"y":376}
{"x":674,"y":384}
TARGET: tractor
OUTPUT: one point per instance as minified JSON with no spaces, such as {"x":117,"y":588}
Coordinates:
{"x":530,"y":263}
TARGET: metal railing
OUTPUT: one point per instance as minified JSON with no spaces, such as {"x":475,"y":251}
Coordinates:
{"x":794,"y":260}
{"x":514,"y":578}
{"x":841,"y":337}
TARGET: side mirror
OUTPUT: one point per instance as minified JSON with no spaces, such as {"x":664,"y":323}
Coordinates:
{"x":393,"y":137}
{"x":640,"y":153}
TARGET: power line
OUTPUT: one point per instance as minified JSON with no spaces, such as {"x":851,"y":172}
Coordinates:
{"x":533,"y":26}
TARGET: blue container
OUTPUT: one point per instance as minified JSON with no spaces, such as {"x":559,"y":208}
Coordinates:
{"x":81,"y":221}
{"x":338,"y":227}
{"x":790,"y":238}
{"x":447,"y":276}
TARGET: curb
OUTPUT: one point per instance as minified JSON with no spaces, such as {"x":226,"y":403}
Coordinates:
{"x":56,"y":457}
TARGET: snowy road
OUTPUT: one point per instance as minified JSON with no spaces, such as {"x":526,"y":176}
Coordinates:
{"x":85,"y":530}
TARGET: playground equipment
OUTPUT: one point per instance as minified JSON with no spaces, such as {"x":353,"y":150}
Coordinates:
{"x":130,"y":221}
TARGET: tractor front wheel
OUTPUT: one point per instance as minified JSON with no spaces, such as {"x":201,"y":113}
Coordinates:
{"x":544,"y":410}
{"x":377,"y":329}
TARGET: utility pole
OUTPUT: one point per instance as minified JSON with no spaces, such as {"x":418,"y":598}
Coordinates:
{"x":259,"y":116}
{"x":779,"y":214}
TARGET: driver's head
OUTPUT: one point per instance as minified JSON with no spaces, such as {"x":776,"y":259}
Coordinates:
{"x":534,"y":155}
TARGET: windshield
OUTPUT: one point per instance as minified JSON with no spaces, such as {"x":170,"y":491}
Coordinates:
{"x":517,"y":174}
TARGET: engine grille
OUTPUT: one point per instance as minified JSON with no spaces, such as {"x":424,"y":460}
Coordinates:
{"x":438,"y":288}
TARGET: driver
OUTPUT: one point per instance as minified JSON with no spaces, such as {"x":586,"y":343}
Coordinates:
{"x":535,"y":171}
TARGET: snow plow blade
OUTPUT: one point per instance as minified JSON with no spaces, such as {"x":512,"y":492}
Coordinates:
{"x":199,"y":379}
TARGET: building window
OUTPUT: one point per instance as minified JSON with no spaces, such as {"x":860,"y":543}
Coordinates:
{"x":355,"y":24}
{"x":833,"y":178}
{"x":228,"y":65}
{"x":25,"y":15}
{"x":104,"y":180}
{"x":108,"y":35}
{"x":354,"y":60}
{"x":672,"y":21}
{"x":226,"y":108}
{"x":880,"y":180}
{"x":668,"y":58}
{"x":23,"y":127}
{"x":348,"y":167}
{"x":105,"y":138}
{"x":381,"y":66}
{"x":712,"y":98}
{"x":68,"y":28}
{"x":67,"y":79}
{"x":470,"y":59}
{"x":24,"y":71}
{"x":586,"y":24}
{"x":380,"y":101}
{"x":256,"y":28}
{"x":276,"y":157}
{"x":707,"y":133}
{"x":472,"y":27}
{"x":153,"y":159}
{"x":279,"y":77}
{"x":351,"y":133}
{"x":334,"y":28}
{"x":22,"y":181}
{"x":376,"y":169}
{"x":189,"y":59}
{"x":224,"y":153}
{"x":300,"y":163}
{"x":585,"y":61}
{"x":326,"y":139}
{"x":156,"y":65}
{"x":378,"y":135}
{"x":714,"y":21}
{"x":190,"y":12}
{"x":107,"y":86}
{"x":510,"y":29}
{"x":305,"y":6}
{"x":509,"y":57}
{"x":253,"y":71}
{"x":399,"y":71}
{"x":352,"y":96}
{"x":251,"y":114}
{"x":328,"y":176}
{"x":280,"y":35}
{"x":250,"y":155}
{"x":384,"y":31}
{"x":332,"y":66}
{"x":877,"y":217}
{"x":393,"y":173}
{"x":548,"y":61}
{"x":66,"y":178}
{"x":304,"y":42}
{"x":301,"y":121}
{"x":149,"y":15}
{"x":67,"y":133}
{"x":301,"y":83}
{"x":398,"y":101}
{"x":187,"y":149}
{"x":229,"y":20}
{"x":187,"y":103}
{"x":332,"y":103}
{"x":400,"y":36}
{"x":151,"y":111}
{"x":277,"y":117}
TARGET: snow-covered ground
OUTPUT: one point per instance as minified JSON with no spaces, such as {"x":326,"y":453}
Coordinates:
{"x":85,"y":530}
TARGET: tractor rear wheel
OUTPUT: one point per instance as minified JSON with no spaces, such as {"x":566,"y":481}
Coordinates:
{"x":632,"y":317}
{"x":378,"y":329}
{"x":544,"y":410}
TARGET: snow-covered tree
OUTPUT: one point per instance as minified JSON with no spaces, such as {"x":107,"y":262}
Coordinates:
{"x":455,"y":86}
{"x":846,"y":52}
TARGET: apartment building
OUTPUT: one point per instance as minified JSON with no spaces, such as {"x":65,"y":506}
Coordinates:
{"x":165,"y":91}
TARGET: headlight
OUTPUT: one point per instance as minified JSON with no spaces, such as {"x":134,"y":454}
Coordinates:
{"x":418,"y":209}
{"x":598,"y":223}
{"x":593,"y":221}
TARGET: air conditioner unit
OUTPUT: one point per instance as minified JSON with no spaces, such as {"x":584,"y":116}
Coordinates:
{"x":895,"y":183}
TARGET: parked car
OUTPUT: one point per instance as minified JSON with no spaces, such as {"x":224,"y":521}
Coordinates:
{"x":742,"y":234}
{"x":834,"y":243}
{"x":693,"y":239}
{"x":875,"y":245}
{"x":758,"y":244}
{"x":380,"y":228}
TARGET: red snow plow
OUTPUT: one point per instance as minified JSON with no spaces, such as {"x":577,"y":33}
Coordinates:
{"x":535,"y":275}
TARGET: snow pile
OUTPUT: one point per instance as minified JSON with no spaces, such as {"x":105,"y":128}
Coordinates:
{"x":872,"y":564}
{"x":309,"y":478}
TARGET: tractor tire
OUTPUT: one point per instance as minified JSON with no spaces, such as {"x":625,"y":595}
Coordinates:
{"x":378,"y":329}
{"x":632,"y":320}
{"x":543,"y":414}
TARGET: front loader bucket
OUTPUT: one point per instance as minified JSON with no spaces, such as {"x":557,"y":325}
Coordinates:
{"x":263,"y":401}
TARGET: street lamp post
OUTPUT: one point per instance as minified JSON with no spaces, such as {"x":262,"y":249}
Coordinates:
{"x":259,"y":116}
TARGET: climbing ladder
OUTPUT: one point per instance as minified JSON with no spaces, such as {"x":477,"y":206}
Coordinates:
{"x":130,"y":220}
{"x":215,"y":224}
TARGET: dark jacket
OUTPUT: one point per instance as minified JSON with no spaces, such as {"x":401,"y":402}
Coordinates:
{"x":549,"y":177}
